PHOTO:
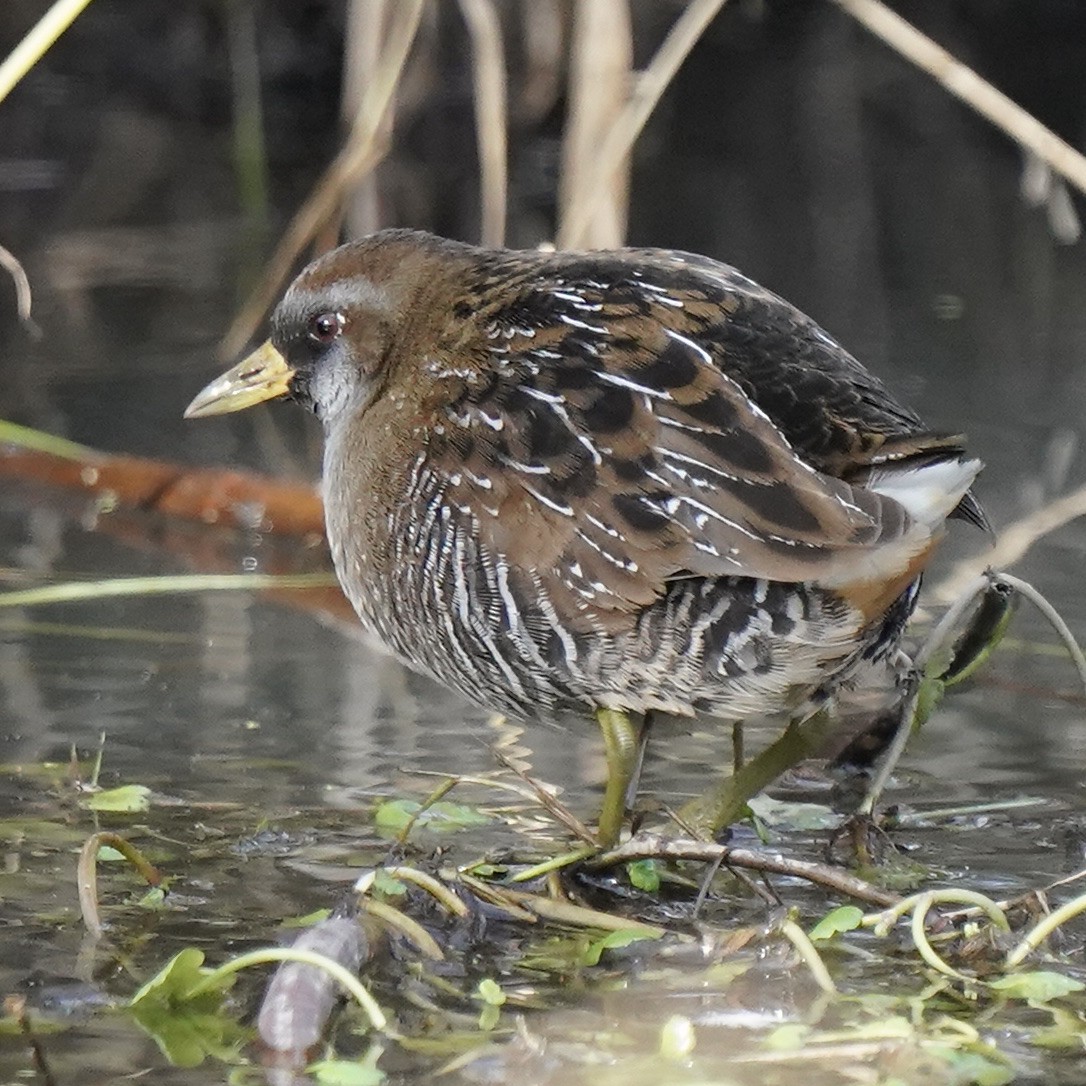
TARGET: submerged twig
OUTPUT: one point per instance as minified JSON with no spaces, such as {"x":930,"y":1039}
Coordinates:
{"x":15,"y":1007}
{"x":347,"y":979}
{"x":300,"y":997}
{"x":228,"y":498}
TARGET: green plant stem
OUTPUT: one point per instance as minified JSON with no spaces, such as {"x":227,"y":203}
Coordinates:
{"x":723,"y":805}
{"x":87,"y":874}
{"x":923,"y":944}
{"x":807,"y":951}
{"x":884,"y":920}
{"x":11,"y":433}
{"x":303,"y":957}
{"x":74,"y":591}
{"x":1043,"y":929}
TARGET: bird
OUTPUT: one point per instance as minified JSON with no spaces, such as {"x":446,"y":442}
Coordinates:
{"x":615,"y":483}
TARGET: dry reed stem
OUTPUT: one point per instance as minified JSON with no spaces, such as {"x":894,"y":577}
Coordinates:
{"x":601,"y":58}
{"x":362,"y":151}
{"x":491,"y":93}
{"x":965,"y":84}
{"x":36,"y":43}
{"x":366,"y":22}
{"x":543,"y":37}
{"x":647,"y":91}
{"x":1013,"y":542}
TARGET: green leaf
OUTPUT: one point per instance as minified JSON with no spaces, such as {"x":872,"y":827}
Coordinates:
{"x":346,"y":1073}
{"x":975,"y":1068}
{"x":644,"y":874}
{"x":186,"y":1027}
{"x":1066,"y":1031}
{"x":487,"y":870}
{"x":387,"y":885}
{"x":787,"y":1038}
{"x":395,"y":814}
{"x":489,"y":991}
{"x":174,"y":980}
{"x":677,"y":1038}
{"x":307,"y":921}
{"x":845,"y":918}
{"x":154,"y":899}
{"x":128,"y":799}
{"x":793,"y":816}
{"x":489,"y":1017}
{"x":615,"y":939}
{"x":1040,"y":986}
{"x":894,"y":1026}
{"x":927,"y":700}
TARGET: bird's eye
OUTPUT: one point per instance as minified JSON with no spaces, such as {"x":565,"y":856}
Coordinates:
{"x":324,"y":327}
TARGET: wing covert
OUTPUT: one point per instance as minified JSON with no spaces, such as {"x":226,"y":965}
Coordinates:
{"x":611,"y":450}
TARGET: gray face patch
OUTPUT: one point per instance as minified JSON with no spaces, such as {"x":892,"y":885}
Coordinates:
{"x":337,"y":386}
{"x":330,"y":375}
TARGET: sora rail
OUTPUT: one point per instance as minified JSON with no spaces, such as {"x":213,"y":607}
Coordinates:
{"x":617,"y":482}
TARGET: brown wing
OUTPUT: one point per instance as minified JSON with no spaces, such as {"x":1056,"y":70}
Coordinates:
{"x":611,"y":450}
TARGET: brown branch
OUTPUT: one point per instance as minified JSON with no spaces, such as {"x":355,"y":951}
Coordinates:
{"x":653,"y":846}
{"x":234,"y":499}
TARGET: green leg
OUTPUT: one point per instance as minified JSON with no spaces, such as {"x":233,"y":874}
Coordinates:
{"x":620,"y":740}
{"x":723,"y":805}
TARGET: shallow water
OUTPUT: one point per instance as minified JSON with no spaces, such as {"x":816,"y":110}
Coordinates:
{"x":267,"y":733}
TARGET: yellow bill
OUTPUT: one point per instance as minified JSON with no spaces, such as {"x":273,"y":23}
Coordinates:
{"x":263,"y":375}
